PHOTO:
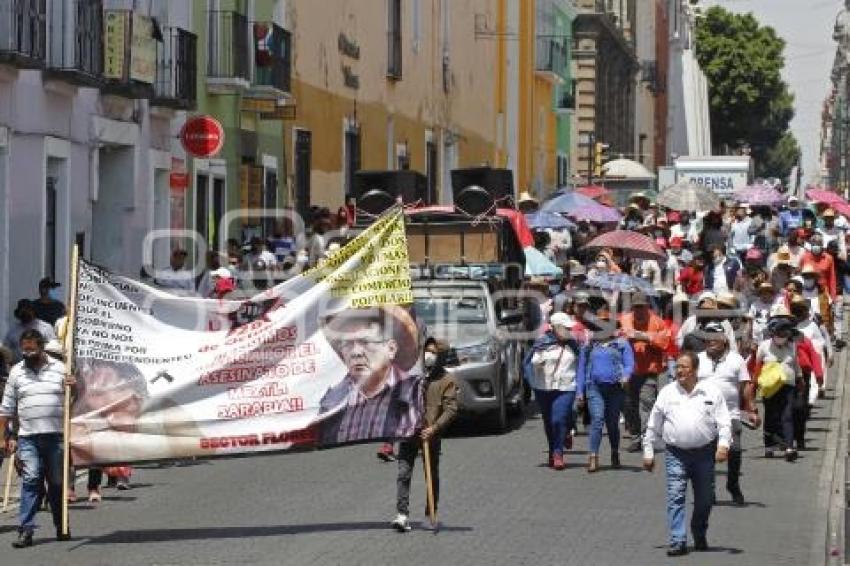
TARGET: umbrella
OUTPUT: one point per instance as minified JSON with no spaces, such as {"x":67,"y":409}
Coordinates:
{"x":538,"y":265}
{"x":595,"y":213}
{"x":621,"y":282}
{"x":687,"y":195}
{"x":759,"y":195}
{"x":825,"y":196}
{"x":593,"y":191}
{"x":632,"y":244}
{"x":543,"y":220}
{"x":841,"y":208}
{"x":566,"y":201}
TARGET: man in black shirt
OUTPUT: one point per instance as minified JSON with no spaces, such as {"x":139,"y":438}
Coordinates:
{"x":47,"y":306}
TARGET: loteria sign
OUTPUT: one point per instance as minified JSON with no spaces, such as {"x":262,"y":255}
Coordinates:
{"x":202,"y":136}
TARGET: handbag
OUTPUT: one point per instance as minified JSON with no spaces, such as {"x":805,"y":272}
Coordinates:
{"x":771,"y":379}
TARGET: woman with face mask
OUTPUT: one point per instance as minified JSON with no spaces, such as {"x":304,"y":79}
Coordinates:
{"x":441,"y":393}
{"x":780,"y":348}
{"x":550,"y":370}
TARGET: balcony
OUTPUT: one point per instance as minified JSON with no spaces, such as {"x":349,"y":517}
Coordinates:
{"x":228,"y":64}
{"x":23,"y":33}
{"x":272,"y":60}
{"x":552,"y":59}
{"x":566,"y":101}
{"x":176,"y":73}
{"x":75,"y":53}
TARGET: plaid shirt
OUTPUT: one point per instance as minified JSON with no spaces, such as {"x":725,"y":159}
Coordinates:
{"x":394,"y":412}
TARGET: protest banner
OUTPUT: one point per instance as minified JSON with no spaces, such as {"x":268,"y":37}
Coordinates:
{"x":328,"y":357}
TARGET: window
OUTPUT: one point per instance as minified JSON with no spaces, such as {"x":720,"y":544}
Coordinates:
{"x":394,"y":39}
{"x":352,"y":157}
{"x":50,"y":230}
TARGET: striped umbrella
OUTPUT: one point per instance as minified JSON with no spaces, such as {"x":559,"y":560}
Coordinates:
{"x":759,"y":195}
{"x":825,"y":196}
{"x":687,"y":195}
{"x":632,"y":244}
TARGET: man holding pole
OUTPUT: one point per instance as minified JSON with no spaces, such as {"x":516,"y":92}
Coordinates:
{"x":35,"y":398}
{"x":441,"y":393}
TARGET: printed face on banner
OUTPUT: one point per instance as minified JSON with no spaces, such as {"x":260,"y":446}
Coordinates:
{"x":324,"y":358}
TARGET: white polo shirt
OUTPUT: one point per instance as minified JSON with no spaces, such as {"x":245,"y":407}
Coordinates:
{"x":688,"y":420}
{"x":727,"y":374}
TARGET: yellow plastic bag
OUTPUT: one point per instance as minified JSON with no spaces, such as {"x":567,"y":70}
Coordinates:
{"x":771,"y":379}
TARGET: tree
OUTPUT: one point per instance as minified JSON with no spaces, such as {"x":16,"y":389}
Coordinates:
{"x":750,"y":104}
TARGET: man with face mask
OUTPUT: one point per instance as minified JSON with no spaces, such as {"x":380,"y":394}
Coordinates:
{"x":792,"y":218}
{"x":34,"y":396}
{"x":830,"y":232}
{"x":811,"y":329}
{"x":823,"y":264}
{"x":25,"y":313}
{"x":441,"y":408}
{"x":47,"y":306}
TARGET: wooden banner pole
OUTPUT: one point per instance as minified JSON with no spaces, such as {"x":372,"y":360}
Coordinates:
{"x":426,"y":454}
{"x":9,"y":468}
{"x":70,"y":327}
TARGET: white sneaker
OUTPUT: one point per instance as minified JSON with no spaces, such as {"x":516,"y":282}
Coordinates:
{"x":401,"y":524}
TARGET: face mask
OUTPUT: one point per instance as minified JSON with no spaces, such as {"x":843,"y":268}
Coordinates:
{"x":429,"y":359}
{"x":601,"y":265}
{"x":809,"y":283}
{"x":780,"y":340}
{"x":53,"y":294}
{"x":817,"y":250}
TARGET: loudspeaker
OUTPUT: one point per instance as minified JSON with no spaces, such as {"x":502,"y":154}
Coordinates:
{"x":411,"y":186}
{"x":498,"y":182}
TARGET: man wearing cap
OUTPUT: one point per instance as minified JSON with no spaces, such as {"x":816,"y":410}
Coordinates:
{"x":176,"y":277}
{"x":47,"y":306}
{"x":25,"y":313}
{"x":792,"y":218}
{"x":830,"y":232}
{"x":379,"y":398}
{"x":650,"y":339}
{"x":728,"y":371}
{"x":759,"y":313}
{"x":706,"y":312}
{"x":690,"y":417}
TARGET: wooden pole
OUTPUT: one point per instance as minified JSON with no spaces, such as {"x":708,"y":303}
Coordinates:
{"x":9,"y":468}
{"x":70,"y":327}
{"x":429,"y":485}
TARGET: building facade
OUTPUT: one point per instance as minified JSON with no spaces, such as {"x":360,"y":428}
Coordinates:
{"x":91,"y":93}
{"x":391,"y":84}
{"x":606,"y":71}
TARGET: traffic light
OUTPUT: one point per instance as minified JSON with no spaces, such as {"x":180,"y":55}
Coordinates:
{"x":600,"y":157}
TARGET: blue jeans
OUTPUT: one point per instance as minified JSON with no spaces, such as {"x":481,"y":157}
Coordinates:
{"x":556,"y":409}
{"x":696,"y":465}
{"x":605,"y":401}
{"x":41,"y":457}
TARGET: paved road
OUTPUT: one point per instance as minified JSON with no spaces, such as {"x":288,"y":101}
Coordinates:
{"x":501,"y":506}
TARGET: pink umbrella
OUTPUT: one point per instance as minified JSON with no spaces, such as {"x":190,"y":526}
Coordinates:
{"x":593,"y":191}
{"x":825,"y":196}
{"x":759,"y":195}
{"x":841,"y":208}
{"x":631,"y":243}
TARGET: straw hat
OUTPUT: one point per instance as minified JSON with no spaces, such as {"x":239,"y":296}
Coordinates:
{"x":525,"y":196}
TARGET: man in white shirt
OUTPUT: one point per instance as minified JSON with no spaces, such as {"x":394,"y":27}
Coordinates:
{"x":728,"y":371}
{"x":740,"y":234}
{"x":34,"y":396}
{"x":688,"y":416}
{"x":176,"y":277}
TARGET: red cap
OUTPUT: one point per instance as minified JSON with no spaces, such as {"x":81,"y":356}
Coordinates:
{"x":676,"y":242}
{"x":673,"y":216}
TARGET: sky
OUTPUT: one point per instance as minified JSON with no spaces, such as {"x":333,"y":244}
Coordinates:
{"x":806,"y":26}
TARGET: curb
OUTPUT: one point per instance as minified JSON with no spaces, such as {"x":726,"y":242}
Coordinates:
{"x":829,"y":543}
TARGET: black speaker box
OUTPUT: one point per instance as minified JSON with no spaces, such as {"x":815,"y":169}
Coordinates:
{"x":498,"y":182}
{"x":411,"y":186}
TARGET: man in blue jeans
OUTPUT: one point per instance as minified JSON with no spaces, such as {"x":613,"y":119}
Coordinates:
{"x":34,"y":397}
{"x":688,"y":417}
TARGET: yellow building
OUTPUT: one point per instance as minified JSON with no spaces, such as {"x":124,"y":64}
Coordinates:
{"x":391,"y":84}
